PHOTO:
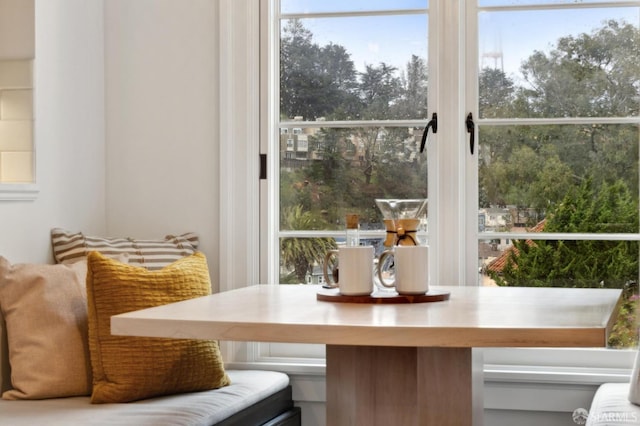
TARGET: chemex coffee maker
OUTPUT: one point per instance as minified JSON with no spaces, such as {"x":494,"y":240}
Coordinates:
{"x":402,"y":219}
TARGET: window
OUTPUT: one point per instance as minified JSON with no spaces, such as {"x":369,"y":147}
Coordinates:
{"x":17,"y":150}
{"x":558,"y":120}
{"x":356,"y":99}
{"x":16,"y":118}
{"x":551,"y":91}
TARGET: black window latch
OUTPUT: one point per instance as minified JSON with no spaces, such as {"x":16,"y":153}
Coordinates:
{"x":471,"y":130}
{"x":263,"y":166}
{"x":433,"y":124}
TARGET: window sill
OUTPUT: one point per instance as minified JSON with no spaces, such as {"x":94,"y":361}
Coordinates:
{"x":290,"y":367}
{"x":561,"y":375}
{"x":18,"y":192}
{"x":492,"y":373}
{"x":590,"y":367}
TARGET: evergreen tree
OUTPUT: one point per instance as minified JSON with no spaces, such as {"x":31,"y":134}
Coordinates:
{"x":414,"y":88}
{"x":580,"y":263}
{"x":315,"y":81}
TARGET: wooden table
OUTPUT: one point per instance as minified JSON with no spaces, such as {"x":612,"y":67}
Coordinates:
{"x":393,"y":364}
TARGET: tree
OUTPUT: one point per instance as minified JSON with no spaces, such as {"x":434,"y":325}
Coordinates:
{"x":589,"y":75}
{"x":415,"y":90}
{"x":526,"y":179}
{"x":582,"y":263}
{"x":314,"y":81}
{"x":379,"y":90}
{"x":585,"y":263}
{"x":496,"y":93}
{"x":336,"y":62}
{"x":299,"y":79}
{"x":300,"y":254}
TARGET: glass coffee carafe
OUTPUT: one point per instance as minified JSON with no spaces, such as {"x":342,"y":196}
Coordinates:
{"x":401,"y":220}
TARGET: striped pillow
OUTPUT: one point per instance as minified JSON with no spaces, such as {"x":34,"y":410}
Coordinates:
{"x":71,"y":247}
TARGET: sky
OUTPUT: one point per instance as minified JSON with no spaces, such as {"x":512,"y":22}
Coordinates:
{"x":393,"y":39}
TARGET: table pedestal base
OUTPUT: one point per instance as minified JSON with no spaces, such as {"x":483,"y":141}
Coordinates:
{"x":372,"y":385}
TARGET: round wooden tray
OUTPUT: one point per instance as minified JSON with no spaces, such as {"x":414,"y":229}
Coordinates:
{"x":333,"y":295}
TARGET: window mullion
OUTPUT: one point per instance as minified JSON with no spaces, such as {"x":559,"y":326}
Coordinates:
{"x":471,"y":94}
{"x":351,"y":123}
{"x":448,"y":167}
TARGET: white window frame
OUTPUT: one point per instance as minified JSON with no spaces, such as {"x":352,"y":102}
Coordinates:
{"x":245,"y":252}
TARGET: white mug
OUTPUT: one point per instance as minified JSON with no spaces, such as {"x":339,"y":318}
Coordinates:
{"x":411,"y":269}
{"x":355,"y":272}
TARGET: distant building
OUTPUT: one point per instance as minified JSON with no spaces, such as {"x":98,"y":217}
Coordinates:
{"x":299,"y":145}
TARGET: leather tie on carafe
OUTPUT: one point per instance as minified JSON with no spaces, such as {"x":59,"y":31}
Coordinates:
{"x":402,"y":234}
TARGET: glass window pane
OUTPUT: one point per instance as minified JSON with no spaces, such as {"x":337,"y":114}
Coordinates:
{"x":576,"y":178}
{"x":555,"y":263}
{"x":331,"y":172}
{"x":339,"y":69}
{"x":301,"y":258}
{"x":16,"y":122}
{"x":560,"y":63}
{"x":319,"y":6}
{"x":566,"y":178}
{"x":558,"y":263}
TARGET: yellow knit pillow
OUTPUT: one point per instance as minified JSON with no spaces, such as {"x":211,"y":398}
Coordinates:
{"x":131,"y":368}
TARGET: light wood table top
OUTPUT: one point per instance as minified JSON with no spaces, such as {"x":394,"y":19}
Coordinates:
{"x":411,"y":364}
{"x":472,"y":317}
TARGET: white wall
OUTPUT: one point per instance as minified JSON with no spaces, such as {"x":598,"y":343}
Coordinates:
{"x":162,"y":119}
{"x":69,"y":132}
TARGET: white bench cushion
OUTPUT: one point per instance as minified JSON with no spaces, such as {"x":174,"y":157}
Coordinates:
{"x":190,"y":409}
{"x":611,"y":407}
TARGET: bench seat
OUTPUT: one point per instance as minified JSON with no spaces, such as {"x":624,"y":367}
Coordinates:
{"x":256,"y":396}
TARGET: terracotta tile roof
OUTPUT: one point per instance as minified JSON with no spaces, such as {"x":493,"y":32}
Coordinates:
{"x":539,"y":226}
{"x":498,"y":264}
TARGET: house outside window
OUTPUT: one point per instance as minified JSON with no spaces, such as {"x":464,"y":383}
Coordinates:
{"x":552,"y":93}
